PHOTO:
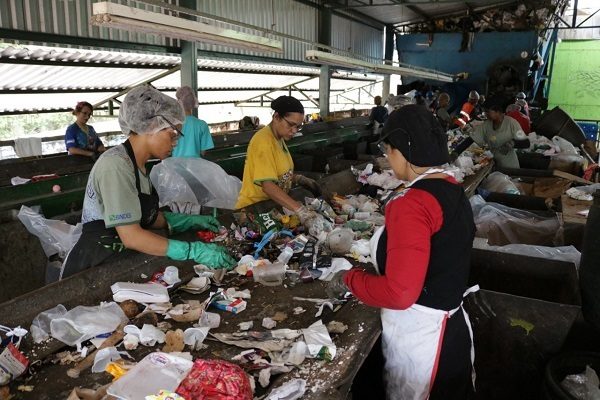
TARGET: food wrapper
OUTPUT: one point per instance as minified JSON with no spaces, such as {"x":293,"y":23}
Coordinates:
{"x":217,"y":380}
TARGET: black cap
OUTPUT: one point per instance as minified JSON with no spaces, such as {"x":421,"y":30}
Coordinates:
{"x":417,"y":134}
{"x":286,"y":104}
{"x":497,"y":103}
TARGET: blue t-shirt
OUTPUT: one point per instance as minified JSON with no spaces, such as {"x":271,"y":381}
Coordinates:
{"x":75,"y":137}
{"x":196,"y":138}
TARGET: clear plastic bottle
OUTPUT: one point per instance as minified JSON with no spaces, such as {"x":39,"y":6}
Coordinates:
{"x":286,"y":255}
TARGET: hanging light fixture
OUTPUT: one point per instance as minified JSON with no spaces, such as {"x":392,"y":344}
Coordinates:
{"x":322,"y":57}
{"x":114,"y":15}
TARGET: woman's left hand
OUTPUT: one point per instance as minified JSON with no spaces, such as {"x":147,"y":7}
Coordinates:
{"x":336,"y":287}
{"x":182,"y":222}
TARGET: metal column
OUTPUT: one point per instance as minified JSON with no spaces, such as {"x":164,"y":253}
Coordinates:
{"x":324,"y":85}
{"x":388,"y":57}
{"x":325,"y":75}
{"x":189,"y":58}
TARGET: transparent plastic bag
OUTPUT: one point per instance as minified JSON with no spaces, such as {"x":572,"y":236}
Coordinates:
{"x":40,"y":326}
{"x":83,"y":323}
{"x":564,"y":145}
{"x":56,"y":236}
{"x":503,"y":225}
{"x":499,"y":183}
{"x":157,"y":371}
{"x":582,"y":386}
{"x":562,"y":253}
{"x":185,"y":184}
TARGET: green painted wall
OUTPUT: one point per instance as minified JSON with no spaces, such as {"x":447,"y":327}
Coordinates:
{"x":575,"y":84}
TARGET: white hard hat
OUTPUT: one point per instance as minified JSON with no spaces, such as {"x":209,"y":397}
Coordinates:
{"x":521,"y":96}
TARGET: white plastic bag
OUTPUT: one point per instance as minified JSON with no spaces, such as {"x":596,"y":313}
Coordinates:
{"x":503,"y":225}
{"x":40,"y":326}
{"x":564,"y":145}
{"x":56,"y":236}
{"x":83,"y":323}
{"x":499,"y":183}
{"x":157,"y":371}
{"x":562,"y":253}
{"x":185,"y":184}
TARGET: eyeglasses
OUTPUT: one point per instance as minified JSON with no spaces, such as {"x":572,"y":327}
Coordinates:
{"x":171,"y":125}
{"x":383,"y":147}
{"x":293,"y":125}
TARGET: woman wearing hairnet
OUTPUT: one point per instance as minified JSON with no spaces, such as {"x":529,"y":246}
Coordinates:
{"x":269,"y":169}
{"x":121,"y":206}
{"x":196,"y":138}
{"x":423,"y":259}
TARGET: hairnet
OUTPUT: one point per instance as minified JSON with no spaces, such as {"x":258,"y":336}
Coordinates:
{"x":286,"y":104}
{"x":521,"y":95}
{"x":186,"y":97}
{"x":146,"y":110}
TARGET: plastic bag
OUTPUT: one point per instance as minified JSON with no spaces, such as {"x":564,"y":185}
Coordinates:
{"x":157,"y":371}
{"x":217,"y":380}
{"x":83,"y":323}
{"x":503,"y":225}
{"x":564,"y":145}
{"x":40,"y":326}
{"x":185,"y":184}
{"x":563,"y":253}
{"x":56,"y":236}
{"x":582,"y":386}
{"x":499,"y":183}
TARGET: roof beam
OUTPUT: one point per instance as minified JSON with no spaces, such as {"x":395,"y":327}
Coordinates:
{"x":457,"y":13}
{"x":352,"y":15}
{"x":45,"y":38}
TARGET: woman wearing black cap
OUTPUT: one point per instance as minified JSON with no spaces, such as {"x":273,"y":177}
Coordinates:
{"x":269,"y":169}
{"x":423,"y":259}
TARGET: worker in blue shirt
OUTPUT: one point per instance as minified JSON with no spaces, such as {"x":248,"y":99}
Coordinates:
{"x":197,"y":139}
{"x":81,"y":138}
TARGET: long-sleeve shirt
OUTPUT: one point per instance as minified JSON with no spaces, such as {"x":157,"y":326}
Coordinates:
{"x":411,"y":221}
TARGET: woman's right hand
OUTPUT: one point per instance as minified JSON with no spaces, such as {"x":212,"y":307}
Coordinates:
{"x":209,"y":254}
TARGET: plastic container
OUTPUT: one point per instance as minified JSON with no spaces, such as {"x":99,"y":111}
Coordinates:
{"x":270,"y":274}
{"x":171,"y":275}
{"x":286,"y":255}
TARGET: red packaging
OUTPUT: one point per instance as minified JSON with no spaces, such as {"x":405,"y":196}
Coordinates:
{"x":215,"y":380}
{"x":206,"y":236}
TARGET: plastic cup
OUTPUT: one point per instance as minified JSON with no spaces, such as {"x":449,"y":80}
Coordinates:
{"x":212,"y":320}
{"x":269,"y":274}
{"x":171,"y":275}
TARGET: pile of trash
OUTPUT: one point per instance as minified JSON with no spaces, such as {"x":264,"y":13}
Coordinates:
{"x":273,"y":249}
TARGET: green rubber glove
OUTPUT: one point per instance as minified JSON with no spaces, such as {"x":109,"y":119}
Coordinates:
{"x":209,"y":254}
{"x":184,"y":222}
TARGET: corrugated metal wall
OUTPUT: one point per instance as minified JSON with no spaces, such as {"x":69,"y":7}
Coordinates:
{"x":285,"y":16}
{"x":71,"y":17}
{"x":356,"y":38}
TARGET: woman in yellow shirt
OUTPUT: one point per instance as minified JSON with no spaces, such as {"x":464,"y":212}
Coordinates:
{"x":269,"y":169}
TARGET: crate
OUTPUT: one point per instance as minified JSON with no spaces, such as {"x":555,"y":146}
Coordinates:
{"x":590,"y":130}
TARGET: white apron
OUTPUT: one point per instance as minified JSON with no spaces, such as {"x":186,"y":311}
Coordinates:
{"x":412,"y":339}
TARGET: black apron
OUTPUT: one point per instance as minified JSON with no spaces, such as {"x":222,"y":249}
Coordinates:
{"x":98,"y":243}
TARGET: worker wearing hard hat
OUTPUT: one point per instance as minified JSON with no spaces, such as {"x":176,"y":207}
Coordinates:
{"x":468,"y":110}
{"x":521,"y":101}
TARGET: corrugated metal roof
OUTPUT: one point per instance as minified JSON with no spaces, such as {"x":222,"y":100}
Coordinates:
{"x":406,"y":11}
{"x":41,"y":78}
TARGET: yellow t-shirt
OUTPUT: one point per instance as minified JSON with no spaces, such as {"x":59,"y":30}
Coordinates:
{"x":267,"y":159}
